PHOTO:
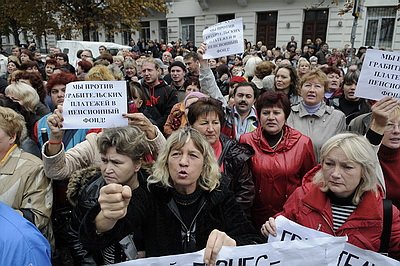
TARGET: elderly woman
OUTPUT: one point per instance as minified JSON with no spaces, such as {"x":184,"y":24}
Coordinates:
{"x":286,"y":81}
{"x":23,"y":185}
{"x":343,"y":199}
{"x":184,"y":208}
{"x":282,"y":156}
{"x":312,"y":116}
{"x":207,"y":116}
{"x":122,"y":152}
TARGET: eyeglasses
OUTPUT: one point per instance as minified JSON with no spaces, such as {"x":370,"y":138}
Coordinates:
{"x":392,"y":126}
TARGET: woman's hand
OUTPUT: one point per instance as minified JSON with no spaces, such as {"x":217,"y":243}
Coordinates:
{"x":114,"y":200}
{"x":269,"y":227}
{"x":215,"y":241}
{"x":381,"y":111}
{"x":54,"y":121}
{"x":141,"y":121}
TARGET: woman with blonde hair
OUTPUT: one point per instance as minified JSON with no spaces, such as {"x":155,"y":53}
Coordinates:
{"x":99,"y":73}
{"x":184,"y":208}
{"x":344,"y":198}
{"x":24,"y":94}
{"x":303,"y":67}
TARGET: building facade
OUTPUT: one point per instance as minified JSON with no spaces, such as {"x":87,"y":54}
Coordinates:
{"x":271,"y":21}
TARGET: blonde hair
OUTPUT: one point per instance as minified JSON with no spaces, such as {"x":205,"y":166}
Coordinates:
{"x":358,"y":150}
{"x":12,"y":123}
{"x":315,"y":74}
{"x":99,"y":73}
{"x":210,"y":175}
{"x":24,"y":93}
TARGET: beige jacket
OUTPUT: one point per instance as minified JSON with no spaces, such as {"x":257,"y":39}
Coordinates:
{"x":319,"y":127}
{"x":24,"y":187}
{"x":61,"y":165}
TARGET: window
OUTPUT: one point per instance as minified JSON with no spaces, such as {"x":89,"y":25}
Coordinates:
{"x":187,"y":29}
{"x":380,"y":27}
{"x":145,"y":31}
{"x":163,"y":30}
{"x":225,"y":17}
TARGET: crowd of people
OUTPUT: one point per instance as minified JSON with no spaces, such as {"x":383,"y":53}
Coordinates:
{"x":215,"y":150}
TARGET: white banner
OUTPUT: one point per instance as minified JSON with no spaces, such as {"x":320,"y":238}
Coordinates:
{"x":380,"y":75}
{"x":315,"y":252}
{"x":95,"y":104}
{"x":351,"y":255}
{"x":225,"y":38}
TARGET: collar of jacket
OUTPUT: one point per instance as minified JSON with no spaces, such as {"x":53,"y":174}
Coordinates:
{"x":365,"y":212}
{"x":289,"y":139}
{"x":10,"y":161}
{"x":299,"y":108}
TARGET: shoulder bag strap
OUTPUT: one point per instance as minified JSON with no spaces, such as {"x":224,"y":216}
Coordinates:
{"x":387,"y":226}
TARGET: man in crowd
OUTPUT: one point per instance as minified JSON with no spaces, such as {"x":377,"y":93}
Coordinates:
{"x":177,"y":70}
{"x":161,"y":97}
{"x":192,"y":63}
{"x":241,"y":118}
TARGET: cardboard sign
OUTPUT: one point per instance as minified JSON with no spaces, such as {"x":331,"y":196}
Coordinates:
{"x":315,"y":252}
{"x":225,"y":38}
{"x":95,"y":104}
{"x":380,"y":75}
{"x":351,"y":255}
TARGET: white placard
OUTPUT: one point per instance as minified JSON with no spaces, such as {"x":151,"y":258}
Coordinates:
{"x":315,"y":252}
{"x":95,"y":104}
{"x":351,"y":255}
{"x":380,"y":75}
{"x":225,"y":38}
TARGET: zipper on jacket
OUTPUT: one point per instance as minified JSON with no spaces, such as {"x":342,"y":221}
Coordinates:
{"x":323,"y":217}
{"x":178,"y":216}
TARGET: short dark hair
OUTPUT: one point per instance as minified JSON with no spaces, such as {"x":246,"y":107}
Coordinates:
{"x":247,"y":84}
{"x":205,"y":106}
{"x":191,"y":55}
{"x":273,"y":99}
{"x":63,"y":56}
{"x":191,"y":80}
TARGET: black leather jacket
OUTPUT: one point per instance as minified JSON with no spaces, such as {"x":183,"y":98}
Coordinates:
{"x":237,"y":172}
{"x":83,"y":193}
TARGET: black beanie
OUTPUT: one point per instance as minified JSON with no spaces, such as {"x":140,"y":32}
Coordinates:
{"x":179,"y":64}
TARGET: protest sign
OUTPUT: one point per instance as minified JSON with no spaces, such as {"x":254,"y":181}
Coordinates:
{"x":95,"y":104}
{"x":315,"y":252}
{"x":380,"y":75}
{"x":225,"y":38}
{"x":351,"y":255}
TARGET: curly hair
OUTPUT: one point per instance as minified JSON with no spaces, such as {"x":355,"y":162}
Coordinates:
{"x":99,"y":73}
{"x":210,"y":176}
{"x":62,"y":78}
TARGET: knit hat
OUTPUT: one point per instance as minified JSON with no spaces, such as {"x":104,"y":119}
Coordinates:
{"x":195,"y":94}
{"x":179,"y":64}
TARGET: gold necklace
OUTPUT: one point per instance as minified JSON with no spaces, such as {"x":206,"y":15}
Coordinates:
{"x":279,"y":140}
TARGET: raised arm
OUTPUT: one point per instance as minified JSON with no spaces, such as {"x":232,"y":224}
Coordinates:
{"x":208,"y":84}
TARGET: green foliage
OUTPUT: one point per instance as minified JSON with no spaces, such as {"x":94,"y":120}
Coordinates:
{"x":63,"y":16}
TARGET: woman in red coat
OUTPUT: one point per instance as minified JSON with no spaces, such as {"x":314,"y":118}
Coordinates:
{"x":344,"y":198}
{"x":282,"y":156}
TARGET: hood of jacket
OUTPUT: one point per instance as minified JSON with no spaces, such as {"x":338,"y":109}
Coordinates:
{"x":78,"y":181}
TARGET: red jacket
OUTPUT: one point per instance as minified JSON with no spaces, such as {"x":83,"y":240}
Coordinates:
{"x":311,"y":207}
{"x":277,"y":173}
